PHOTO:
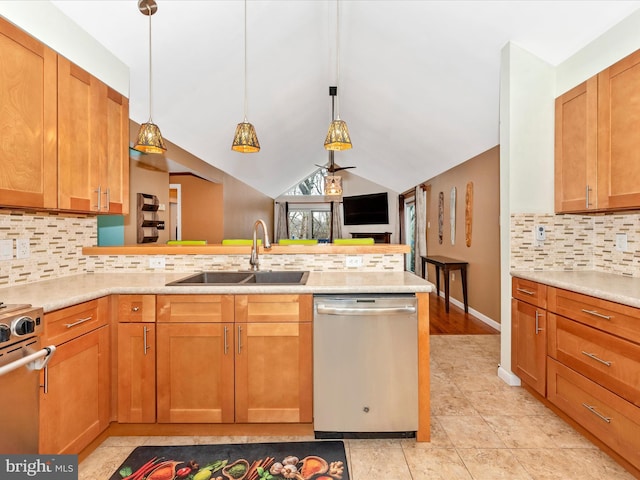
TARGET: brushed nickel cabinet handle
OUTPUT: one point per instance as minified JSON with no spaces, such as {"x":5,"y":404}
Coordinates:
{"x":107,"y":194}
{"x":538,"y":329}
{"x":596,"y":413}
{"x":145,"y":345}
{"x":226,"y":343}
{"x":596,"y":358}
{"x":587,"y":196}
{"x":239,"y":339}
{"x":77,"y":322}
{"x":596,"y":314}
{"x":99,"y":196}
{"x":526,"y":292}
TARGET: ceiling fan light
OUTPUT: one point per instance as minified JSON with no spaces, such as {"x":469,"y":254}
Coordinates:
{"x":338,"y":136}
{"x":150,"y":139}
{"x":245,"y":139}
{"x":333,"y":185}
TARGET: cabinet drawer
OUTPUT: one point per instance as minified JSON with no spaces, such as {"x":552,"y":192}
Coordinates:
{"x":611,"y":419}
{"x":136,"y":308}
{"x":68,"y":323}
{"x":610,"y":317}
{"x":610,"y":361}
{"x":273,"y":308}
{"x":529,"y":292}
{"x":194,"y":308}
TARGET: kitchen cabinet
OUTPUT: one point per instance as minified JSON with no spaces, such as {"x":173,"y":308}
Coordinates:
{"x":257,"y":352}
{"x":529,"y":333}
{"x":75,"y":393}
{"x":93,"y":132}
{"x":136,"y":358}
{"x":274,"y":358}
{"x":576,"y":151}
{"x":28,"y":177}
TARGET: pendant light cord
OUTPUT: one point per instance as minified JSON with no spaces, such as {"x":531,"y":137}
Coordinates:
{"x":150,"y":61}
{"x":245,"y":61}
{"x":338,"y":58}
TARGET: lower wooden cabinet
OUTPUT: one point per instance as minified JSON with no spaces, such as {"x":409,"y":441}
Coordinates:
{"x":74,"y":402}
{"x":529,"y":344}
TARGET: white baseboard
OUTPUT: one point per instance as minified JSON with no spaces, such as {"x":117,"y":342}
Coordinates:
{"x":492,"y":323}
{"x":508,"y":377}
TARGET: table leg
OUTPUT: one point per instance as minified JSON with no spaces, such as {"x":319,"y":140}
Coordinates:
{"x":424,"y":268}
{"x":437,"y":280}
{"x":463,"y":274}
{"x":446,"y":289}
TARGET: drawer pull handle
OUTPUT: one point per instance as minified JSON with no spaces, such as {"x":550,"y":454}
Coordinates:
{"x":596,"y":413}
{"x":145,"y":344}
{"x":538,"y":329}
{"x":596,"y":314}
{"x":226,"y":344}
{"x":595,"y":357}
{"x":526,"y":292}
{"x":78,"y":322}
{"x":135,"y":309}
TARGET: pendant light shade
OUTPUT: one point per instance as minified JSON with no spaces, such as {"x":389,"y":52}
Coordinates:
{"x":245,"y":140}
{"x":149,"y":136}
{"x":338,"y":135}
{"x":333,"y":185}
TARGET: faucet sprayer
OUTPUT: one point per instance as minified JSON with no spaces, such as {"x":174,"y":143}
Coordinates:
{"x":254,"y":261}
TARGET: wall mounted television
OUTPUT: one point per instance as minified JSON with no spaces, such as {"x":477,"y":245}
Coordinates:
{"x":370,"y":209}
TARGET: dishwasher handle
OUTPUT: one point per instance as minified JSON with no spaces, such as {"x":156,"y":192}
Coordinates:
{"x":324,"y":309}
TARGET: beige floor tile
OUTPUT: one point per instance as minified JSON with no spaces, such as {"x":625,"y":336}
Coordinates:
{"x":506,"y":402}
{"x":518,"y":431}
{"x":378,"y":464}
{"x":470,"y":432}
{"x":124,"y":441}
{"x":562,"y":435}
{"x":439,"y":438}
{"x":103,"y":462}
{"x":449,"y":400}
{"x":375,"y":443}
{"x":492,"y":464}
{"x":436,"y":464}
{"x":184,"y":440}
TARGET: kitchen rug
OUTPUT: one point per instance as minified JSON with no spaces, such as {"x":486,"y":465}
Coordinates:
{"x":320,"y":460}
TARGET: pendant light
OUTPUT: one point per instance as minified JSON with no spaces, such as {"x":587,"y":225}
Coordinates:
{"x":245,"y":139}
{"x":338,"y":135}
{"x":332,"y":182}
{"x":149,"y":136}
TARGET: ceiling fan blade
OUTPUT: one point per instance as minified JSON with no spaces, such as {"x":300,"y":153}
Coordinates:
{"x":341,"y":168}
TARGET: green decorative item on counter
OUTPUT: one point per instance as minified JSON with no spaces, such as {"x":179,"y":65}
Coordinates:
{"x":354,"y":241}
{"x":239,"y":241}
{"x":298,"y":241}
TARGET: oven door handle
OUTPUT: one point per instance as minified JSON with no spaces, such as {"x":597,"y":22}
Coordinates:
{"x":35,"y":361}
{"x":343,"y":310}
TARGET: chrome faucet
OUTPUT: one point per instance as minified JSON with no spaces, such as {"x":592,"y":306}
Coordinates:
{"x":254,"y":261}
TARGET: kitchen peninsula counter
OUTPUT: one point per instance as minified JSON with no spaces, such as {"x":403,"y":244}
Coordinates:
{"x":218,"y":249}
{"x":608,"y":286}
{"x":62,"y":292}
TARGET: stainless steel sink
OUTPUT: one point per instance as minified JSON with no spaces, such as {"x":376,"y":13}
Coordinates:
{"x":244,"y":278}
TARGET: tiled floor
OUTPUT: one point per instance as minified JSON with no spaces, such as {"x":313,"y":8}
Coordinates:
{"x":481,"y":429}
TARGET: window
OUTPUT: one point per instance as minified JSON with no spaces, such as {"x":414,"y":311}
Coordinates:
{"x":310,"y":217}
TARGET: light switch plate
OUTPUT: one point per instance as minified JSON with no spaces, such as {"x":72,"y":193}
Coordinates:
{"x":156,"y":262}
{"x":621,"y":242}
{"x":23,"y":249}
{"x":353,"y":261}
{"x":6,"y":249}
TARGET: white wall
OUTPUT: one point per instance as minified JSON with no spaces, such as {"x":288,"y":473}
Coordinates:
{"x":44,"y":21}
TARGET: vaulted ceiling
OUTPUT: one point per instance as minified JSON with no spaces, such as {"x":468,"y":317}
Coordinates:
{"x":418,"y":80}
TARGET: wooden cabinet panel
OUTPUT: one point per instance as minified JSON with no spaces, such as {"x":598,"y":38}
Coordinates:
{"x":528,"y":344}
{"x":195,"y":368}
{"x":615,"y":318}
{"x":136,"y":373}
{"x":273,"y":308}
{"x":609,"y":361}
{"x":136,"y":308}
{"x":74,"y":404}
{"x":116,"y":177}
{"x":611,"y":419}
{"x":28,"y":124}
{"x":576,"y":151}
{"x":530,"y":292}
{"x":68,"y":323}
{"x":194,"y":308}
{"x":274,"y":373}
{"x":618,"y":142}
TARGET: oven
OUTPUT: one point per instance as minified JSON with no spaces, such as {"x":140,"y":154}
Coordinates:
{"x":21,"y":358}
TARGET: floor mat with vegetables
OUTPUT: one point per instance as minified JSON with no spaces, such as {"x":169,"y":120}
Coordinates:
{"x":322,"y":460}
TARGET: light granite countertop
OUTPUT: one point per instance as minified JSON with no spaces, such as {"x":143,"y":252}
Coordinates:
{"x":65,"y":291}
{"x":608,"y":286}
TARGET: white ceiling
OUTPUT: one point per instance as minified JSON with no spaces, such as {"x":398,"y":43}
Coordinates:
{"x":418,"y":80}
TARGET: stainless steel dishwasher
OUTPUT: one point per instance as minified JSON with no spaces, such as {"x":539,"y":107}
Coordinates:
{"x":365,"y":366}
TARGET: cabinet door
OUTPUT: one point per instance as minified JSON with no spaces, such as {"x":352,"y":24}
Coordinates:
{"x":195,"y":372}
{"x":618,"y":141}
{"x":74,"y":402}
{"x":28,"y":121}
{"x":528,"y":344}
{"x":115,"y":174}
{"x":576,"y":148}
{"x":136,"y":373}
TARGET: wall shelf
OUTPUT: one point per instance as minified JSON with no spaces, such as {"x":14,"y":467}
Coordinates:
{"x":148,"y":222}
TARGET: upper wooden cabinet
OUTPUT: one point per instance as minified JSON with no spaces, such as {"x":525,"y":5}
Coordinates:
{"x":28,"y":120}
{"x":93,"y":164}
{"x":576,"y":148}
{"x":597,"y":149}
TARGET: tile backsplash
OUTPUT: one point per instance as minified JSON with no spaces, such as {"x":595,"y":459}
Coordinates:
{"x":576,"y":242}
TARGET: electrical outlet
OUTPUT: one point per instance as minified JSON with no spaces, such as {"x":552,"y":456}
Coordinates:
{"x":621,"y":242}
{"x":353,"y":261}
{"x":541,"y":234}
{"x":23,"y":249}
{"x":156,"y":262}
{"x":6,"y":249}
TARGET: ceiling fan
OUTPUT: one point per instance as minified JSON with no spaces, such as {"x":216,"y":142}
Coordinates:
{"x":331,"y":166}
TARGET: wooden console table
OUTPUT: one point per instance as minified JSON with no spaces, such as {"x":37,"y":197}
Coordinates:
{"x":447,"y":264}
{"x":378,"y":237}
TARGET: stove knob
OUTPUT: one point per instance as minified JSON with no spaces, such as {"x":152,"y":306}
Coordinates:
{"x":23,"y":326}
{"x":5,"y":332}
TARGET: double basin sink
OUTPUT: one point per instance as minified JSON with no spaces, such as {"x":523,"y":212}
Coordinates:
{"x":285,"y":277}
